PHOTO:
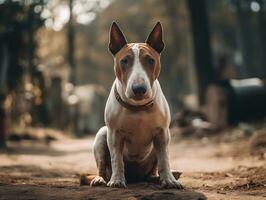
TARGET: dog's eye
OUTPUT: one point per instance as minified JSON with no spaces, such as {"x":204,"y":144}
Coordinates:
{"x":150,"y":61}
{"x":124,"y":61}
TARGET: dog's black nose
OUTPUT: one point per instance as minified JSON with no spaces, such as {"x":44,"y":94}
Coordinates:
{"x":139,"y":89}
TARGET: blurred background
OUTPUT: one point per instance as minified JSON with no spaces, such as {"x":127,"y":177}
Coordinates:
{"x":56,"y":71}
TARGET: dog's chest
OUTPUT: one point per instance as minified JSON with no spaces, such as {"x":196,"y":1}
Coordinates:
{"x":139,"y":124}
{"x":138,"y":130}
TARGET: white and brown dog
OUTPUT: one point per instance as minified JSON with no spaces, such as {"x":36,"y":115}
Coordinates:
{"x":133,"y":144}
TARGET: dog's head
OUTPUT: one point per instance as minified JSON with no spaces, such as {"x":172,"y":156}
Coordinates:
{"x":136,"y":65}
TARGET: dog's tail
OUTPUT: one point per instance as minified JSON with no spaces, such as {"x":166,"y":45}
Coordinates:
{"x":85,"y":179}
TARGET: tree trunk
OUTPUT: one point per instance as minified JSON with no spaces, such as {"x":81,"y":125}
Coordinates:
{"x":71,"y":46}
{"x":4,"y":57}
{"x":244,"y":39}
{"x":262,"y":32}
{"x":202,"y":48}
{"x":177,"y":72}
{"x":2,"y":122}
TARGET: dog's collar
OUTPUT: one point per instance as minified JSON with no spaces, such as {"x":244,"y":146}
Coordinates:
{"x":131,"y":107}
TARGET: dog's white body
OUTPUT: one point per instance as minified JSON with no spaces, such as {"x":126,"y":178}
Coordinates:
{"x":133,"y":144}
{"x":138,"y":128}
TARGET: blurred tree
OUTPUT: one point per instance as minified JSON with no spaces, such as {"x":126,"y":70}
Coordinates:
{"x":4,"y":57}
{"x":202,"y":47}
{"x":245,"y":35}
{"x":2,"y":122}
{"x":19,"y":21}
{"x":250,"y":23}
{"x":71,"y":46}
{"x":177,"y":68}
{"x":262,"y":34}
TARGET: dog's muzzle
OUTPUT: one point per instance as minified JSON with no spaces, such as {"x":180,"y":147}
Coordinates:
{"x":131,"y":107}
{"x":139,"y":90}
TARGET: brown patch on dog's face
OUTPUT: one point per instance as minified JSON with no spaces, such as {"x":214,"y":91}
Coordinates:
{"x":124,"y":60}
{"x":150,"y":61}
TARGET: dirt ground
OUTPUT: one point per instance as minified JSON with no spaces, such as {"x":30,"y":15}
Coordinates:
{"x":211,"y":169}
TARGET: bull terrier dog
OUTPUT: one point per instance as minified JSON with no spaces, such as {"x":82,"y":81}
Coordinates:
{"x":134,"y":143}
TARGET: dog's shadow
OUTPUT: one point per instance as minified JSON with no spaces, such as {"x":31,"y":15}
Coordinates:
{"x":150,"y":190}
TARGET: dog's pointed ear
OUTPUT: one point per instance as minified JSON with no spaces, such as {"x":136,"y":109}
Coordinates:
{"x":117,"y":39}
{"x":155,"y":39}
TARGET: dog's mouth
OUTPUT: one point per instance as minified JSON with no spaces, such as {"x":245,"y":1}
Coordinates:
{"x":139,"y":97}
{"x":139,"y":100}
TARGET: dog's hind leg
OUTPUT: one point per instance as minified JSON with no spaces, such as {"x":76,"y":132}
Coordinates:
{"x":102,"y":157}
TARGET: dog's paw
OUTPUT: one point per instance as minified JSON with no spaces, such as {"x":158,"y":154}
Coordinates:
{"x":117,"y":183}
{"x":170,"y":182}
{"x":98,"y":181}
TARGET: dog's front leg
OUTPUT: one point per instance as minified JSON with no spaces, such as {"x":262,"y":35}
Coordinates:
{"x":115,"y":145}
{"x":161,"y":142}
